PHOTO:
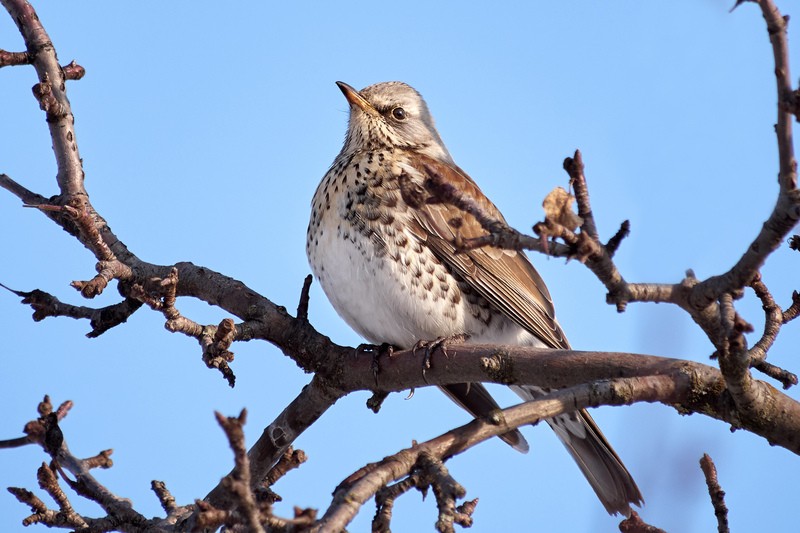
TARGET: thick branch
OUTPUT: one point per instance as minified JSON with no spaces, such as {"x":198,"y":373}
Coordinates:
{"x":774,"y":415}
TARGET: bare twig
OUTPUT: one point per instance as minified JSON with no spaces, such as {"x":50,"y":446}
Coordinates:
{"x":238,"y":481}
{"x":384,"y":501}
{"x":446,"y":490}
{"x":15,"y":443}
{"x":164,"y":496}
{"x":45,"y":431}
{"x":574,"y":167}
{"x":28,"y":197}
{"x":613,"y":243}
{"x":716,"y":493}
{"x":301,"y":413}
{"x":787,"y":379}
{"x":45,"y":305}
{"x":101,"y":460}
{"x":772,"y":323}
{"x":13,"y":59}
{"x":774,"y":319}
{"x":793,"y":310}
{"x":364,"y":484}
{"x":290,"y":460}
{"x":787,"y":209}
{"x":302,"y":307}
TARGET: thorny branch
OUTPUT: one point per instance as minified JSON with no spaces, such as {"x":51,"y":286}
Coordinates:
{"x":614,"y":379}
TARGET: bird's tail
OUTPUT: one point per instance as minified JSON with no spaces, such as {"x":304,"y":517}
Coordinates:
{"x":598,"y":461}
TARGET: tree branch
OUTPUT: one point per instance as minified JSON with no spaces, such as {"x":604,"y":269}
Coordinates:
{"x":716,"y":493}
{"x":362,"y":485}
{"x":585,"y":378}
{"x":299,"y":415}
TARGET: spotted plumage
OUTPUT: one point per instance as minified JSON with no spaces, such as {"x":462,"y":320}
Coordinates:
{"x":382,"y":249}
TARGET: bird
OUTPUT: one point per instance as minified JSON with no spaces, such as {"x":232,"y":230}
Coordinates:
{"x":384,"y":253}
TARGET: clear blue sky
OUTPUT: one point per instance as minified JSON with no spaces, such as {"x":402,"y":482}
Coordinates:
{"x":204,"y":131}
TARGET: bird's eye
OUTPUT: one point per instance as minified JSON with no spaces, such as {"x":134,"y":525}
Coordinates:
{"x":399,"y":113}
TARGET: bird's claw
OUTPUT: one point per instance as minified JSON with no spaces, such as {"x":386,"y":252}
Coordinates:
{"x":432,"y":346}
{"x":376,"y":351}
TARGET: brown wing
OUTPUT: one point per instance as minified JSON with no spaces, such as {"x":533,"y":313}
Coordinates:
{"x":506,"y":278}
{"x":509,"y":282}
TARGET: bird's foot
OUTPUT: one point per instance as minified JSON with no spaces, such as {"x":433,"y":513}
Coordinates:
{"x":377,"y":352}
{"x":431,"y":346}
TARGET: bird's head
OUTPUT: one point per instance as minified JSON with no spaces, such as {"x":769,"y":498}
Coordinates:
{"x":391,"y":114}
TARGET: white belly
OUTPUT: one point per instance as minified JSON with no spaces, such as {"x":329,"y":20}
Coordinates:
{"x":403,"y":295}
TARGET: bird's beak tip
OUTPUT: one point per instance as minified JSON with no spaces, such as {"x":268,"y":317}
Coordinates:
{"x":355,"y":98}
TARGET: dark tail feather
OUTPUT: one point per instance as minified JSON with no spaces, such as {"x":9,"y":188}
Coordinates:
{"x":598,"y":461}
{"x":602,"y":467}
{"x":476,"y":399}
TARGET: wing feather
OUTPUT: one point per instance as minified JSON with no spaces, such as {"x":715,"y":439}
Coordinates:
{"x":505,"y":278}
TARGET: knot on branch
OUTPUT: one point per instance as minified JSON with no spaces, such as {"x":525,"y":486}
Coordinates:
{"x":160,"y":294}
{"x":73,"y":71}
{"x":790,"y":103}
{"x":499,"y":368}
{"x":43,"y":92}
{"x":619,"y":296}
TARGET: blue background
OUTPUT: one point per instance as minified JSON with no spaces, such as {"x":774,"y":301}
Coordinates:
{"x":204,"y":131}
